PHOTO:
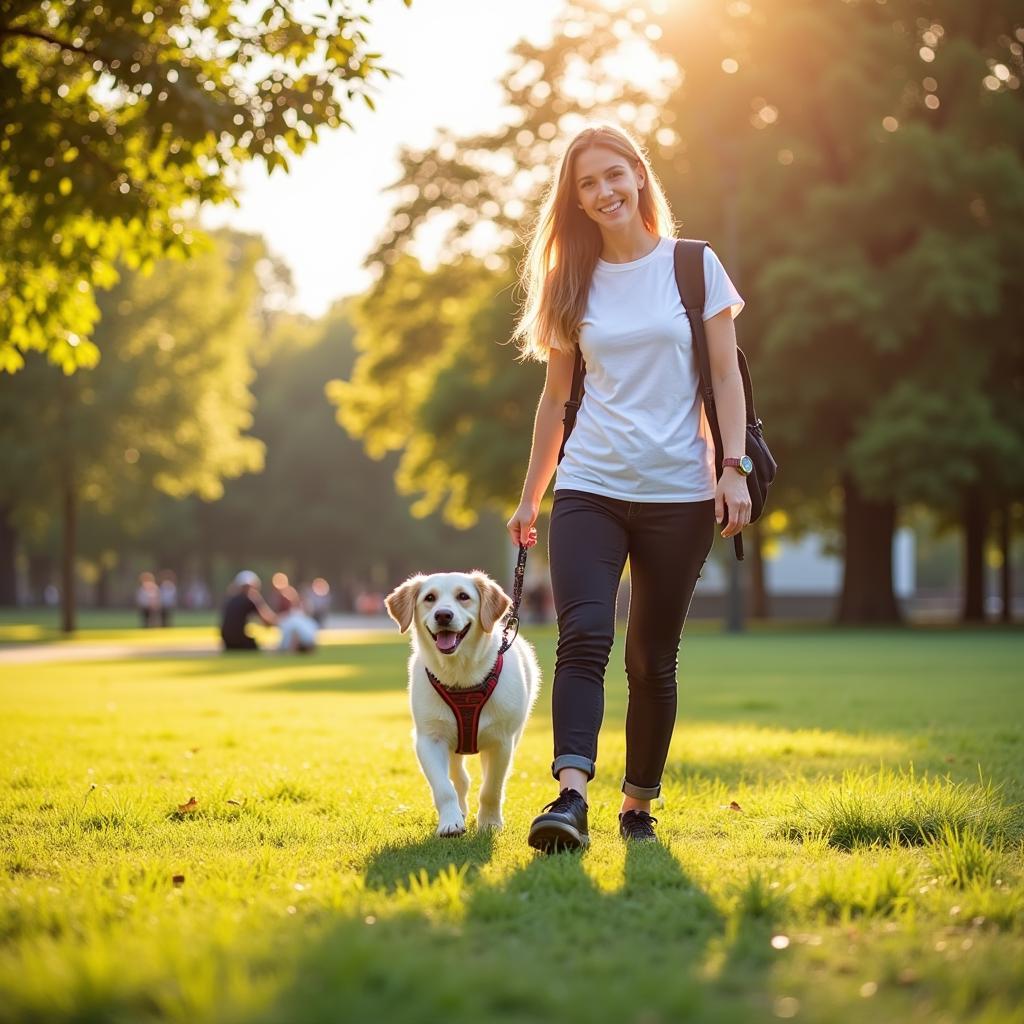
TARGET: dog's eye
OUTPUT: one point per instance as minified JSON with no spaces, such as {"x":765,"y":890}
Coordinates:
{"x":429,"y":598}
{"x":463,"y":597}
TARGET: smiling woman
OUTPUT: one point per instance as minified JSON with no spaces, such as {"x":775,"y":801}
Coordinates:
{"x":638,"y":475}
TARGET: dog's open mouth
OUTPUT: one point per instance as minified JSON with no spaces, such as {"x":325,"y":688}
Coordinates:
{"x":448,"y":640}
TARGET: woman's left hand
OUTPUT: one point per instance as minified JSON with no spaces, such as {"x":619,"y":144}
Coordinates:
{"x":732,"y":493}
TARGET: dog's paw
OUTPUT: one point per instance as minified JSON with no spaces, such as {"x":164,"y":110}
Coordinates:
{"x":449,"y":827}
{"x":489,"y":819}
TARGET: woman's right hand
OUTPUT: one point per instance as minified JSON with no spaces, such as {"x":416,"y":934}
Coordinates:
{"x":520,"y":526}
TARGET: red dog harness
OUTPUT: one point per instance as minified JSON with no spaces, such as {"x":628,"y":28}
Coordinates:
{"x":466,"y":705}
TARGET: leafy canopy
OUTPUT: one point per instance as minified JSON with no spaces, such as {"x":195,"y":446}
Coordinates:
{"x":120,"y":117}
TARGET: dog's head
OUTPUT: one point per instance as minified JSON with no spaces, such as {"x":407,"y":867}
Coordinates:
{"x":448,"y":607}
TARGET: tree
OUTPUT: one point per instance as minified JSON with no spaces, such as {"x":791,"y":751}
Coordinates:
{"x":320,"y":505}
{"x":434,"y":382}
{"x":435,"y":377}
{"x":878,"y":212}
{"x":166,"y":412}
{"x":117,"y":120}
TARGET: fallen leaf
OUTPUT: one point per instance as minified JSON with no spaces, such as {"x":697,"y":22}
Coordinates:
{"x":735,"y":806}
{"x":192,"y":805}
{"x":237,"y":803}
{"x":178,"y":880}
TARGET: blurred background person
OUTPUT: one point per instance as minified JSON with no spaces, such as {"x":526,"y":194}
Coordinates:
{"x":198,"y":594}
{"x":243,"y":602}
{"x":298,"y":628}
{"x":319,"y":603}
{"x":277,"y":600}
{"x":147,"y":600}
{"x":168,"y":596}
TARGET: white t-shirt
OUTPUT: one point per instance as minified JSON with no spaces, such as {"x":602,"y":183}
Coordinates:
{"x":641,"y":433}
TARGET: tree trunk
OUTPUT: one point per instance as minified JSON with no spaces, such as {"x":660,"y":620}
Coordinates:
{"x":8,"y":565}
{"x":69,"y":524}
{"x":975,"y":520}
{"x":1006,"y":572}
{"x":69,"y":511}
{"x":755,"y":556}
{"x":868,"y":527}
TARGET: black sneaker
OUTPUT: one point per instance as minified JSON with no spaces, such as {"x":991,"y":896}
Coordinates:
{"x":637,"y":825}
{"x":562,"y":825}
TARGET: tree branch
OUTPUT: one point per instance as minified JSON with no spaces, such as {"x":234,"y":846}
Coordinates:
{"x":31,"y":33}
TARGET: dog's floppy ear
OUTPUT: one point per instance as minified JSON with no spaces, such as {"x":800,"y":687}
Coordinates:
{"x":401,"y":602}
{"x":494,"y":602}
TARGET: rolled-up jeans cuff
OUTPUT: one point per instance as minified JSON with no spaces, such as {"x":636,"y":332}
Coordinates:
{"x":573,"y":761}
{"x":641,"y":792}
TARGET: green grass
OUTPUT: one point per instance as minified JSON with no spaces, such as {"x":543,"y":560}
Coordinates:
{"x":21,"y":626}
{"x":873,"y":872}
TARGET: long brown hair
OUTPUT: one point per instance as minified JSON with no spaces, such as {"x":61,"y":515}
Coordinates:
{"x":566,"y":244}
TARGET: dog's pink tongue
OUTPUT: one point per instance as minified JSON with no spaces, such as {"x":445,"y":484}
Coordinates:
{"x":447,"y":641}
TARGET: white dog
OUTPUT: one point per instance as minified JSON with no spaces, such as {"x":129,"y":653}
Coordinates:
{"x":455,"y":639}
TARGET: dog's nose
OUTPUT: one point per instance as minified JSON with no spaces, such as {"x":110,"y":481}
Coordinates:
{"x":443,"y":617}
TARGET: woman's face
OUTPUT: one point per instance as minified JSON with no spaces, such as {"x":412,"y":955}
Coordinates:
{"x":607,"y":186}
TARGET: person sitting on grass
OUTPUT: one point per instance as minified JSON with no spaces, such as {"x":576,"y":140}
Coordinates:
{"x":298,"y":630}
{"x":244,"y":601}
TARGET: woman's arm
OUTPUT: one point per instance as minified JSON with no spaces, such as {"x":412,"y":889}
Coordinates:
{"x":547,"y":439}
{"x":263,"y":609}
{"x":727,"y":385}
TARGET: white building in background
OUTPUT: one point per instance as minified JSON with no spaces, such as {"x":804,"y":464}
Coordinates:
{"x":803,"y":568}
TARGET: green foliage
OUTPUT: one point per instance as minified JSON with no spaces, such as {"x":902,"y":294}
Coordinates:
{"x":435,"y":376}
{"x":165,"y":413}
{"x":876,"y":217}
{"x":871,"y":221}
{"x":437,"y":380}
{"x":116,"y":116}
{"x":320,"y":503}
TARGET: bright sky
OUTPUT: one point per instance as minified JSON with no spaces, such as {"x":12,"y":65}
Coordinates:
{"x":323,"y":217}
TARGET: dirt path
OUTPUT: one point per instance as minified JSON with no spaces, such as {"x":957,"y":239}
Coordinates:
{"x":100,"y":650}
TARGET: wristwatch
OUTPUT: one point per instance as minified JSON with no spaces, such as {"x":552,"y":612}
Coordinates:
{"x":744,"y":466}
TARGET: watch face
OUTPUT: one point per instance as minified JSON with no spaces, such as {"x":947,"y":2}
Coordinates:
{"x":746,"y":465}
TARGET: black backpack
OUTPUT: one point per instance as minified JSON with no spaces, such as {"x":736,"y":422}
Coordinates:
{"x":689,"y":267}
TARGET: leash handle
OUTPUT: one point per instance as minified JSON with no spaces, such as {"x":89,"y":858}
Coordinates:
{"x":511,"y":630}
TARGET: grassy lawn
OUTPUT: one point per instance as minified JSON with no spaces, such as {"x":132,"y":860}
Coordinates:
{"x":871,"y":873}
{"x":21,"y":626}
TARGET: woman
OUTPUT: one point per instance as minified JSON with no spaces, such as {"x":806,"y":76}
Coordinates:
{"x":637,"y":478}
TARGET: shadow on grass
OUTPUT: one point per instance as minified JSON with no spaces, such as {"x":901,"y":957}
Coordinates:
{"x":546,"y":943}
{"x":341,"y":669}
{"x":426,"y":859}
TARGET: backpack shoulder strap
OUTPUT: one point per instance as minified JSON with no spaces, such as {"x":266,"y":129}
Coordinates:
{"x":689,"y":267}
{"x":579,"y":371}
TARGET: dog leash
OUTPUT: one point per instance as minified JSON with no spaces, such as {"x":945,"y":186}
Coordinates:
{"x":511,"y":630}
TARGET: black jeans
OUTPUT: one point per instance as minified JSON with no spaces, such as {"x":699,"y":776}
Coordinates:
{"x":589,"y":541}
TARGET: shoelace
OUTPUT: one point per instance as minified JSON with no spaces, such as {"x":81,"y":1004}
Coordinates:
{"x":638,"y":824}
{"x":564,"y":801}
